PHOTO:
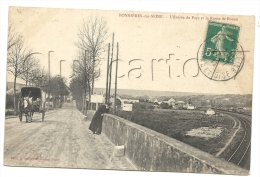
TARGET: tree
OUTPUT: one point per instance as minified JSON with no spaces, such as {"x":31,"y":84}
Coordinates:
{"x":13,"y":36}
{"x":164,"y":105}
{"x":83,"y":72}
{"x":77,"y":90}
{"x":144,"y":98}
{"x":203,"y":103}
{"x":19,"y":58}
{"x":57,"y":88}
{"x":31,"y":71}
{"x":91,"y":38}
{"x":38,"y":77}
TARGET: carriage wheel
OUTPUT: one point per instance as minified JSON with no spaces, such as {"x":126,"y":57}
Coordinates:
{"x":20,"y":116}
{"x":30,"y":117}
{"x":43,"y":114}
{"x":26,"y":116}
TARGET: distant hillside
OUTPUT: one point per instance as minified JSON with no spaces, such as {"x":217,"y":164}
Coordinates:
{"x":197,"y":99}
{"x":150,"y":93}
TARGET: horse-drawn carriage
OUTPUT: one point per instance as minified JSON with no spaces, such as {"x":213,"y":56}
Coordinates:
{"x":30,"y":102}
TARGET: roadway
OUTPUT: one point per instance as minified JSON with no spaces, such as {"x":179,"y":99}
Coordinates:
{"x":61,"y":140}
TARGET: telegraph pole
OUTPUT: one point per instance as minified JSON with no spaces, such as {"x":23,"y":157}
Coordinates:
{"x":85,"y":72}
{"x":106,"y":100}
{"x":116,"y":78}
{"x":110,"y":72}
{"x":60,"y":66}
{"x":73,"y":67}
{"x":63,"y":88}
{"x":49,"y":64}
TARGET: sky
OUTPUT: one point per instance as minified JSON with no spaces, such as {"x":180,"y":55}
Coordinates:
{"x":145,"y":39}
{"x":57,"y":31}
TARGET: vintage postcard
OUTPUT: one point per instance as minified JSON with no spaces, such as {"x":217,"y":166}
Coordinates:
{"x":129,"y":90}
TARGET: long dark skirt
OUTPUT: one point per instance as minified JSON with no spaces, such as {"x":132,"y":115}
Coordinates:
{"x":96,"y":123}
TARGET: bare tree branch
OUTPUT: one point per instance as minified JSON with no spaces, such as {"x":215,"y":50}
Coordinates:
{"x":91,"y":38}
{"x":13,"y":36}
{"x":19,"y":59}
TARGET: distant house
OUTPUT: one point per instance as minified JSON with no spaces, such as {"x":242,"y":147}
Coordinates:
{"x":127,"y":107}
{"x":156,"y":103}
{"x":210,"y":112}
{"x":171,"y":102}
{"x":10,"y":87}
{"x":97,"y":100}
{"x":180,"y":103}
{"x":190,"y":107}
{"x":127,"y":102}
{"x":10,"y":91}
{"x":112,"y":100}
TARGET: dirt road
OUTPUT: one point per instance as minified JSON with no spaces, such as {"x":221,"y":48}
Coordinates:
{"x":62,"y":140}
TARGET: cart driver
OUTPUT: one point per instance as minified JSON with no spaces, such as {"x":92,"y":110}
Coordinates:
{"x":29,"y":98}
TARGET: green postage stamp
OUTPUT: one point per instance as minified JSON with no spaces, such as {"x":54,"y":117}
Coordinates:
{"x":221,"y":42}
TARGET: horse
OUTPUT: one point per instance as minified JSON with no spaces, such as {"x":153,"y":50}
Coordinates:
{"x":28,"y":108}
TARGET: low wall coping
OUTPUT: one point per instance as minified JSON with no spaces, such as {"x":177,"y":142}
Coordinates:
{"x":221,"y":165}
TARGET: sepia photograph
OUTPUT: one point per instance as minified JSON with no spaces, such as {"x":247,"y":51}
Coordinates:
{"x":128,"y":90}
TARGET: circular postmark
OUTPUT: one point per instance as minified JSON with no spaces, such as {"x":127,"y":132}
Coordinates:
{"x":223,"y":60}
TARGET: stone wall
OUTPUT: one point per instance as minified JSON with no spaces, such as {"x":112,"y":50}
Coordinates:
{"x":152,"y":151}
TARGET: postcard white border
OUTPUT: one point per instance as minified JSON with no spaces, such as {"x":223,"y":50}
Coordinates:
{"x":209,"y":7}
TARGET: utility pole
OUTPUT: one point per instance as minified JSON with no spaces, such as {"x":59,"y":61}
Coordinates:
{"x":110,"y":72}
{"x":116,"y":78}
{"x":49,"y":67}
{"x":73,"y":68}
{"x":106,"y":99}
{"x":49,"y":64}
{"x":63,"y":88}
{"x":85,"y":72}
{"x":60,"y":66}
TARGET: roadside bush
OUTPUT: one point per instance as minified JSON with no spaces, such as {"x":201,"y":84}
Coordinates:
{"x":151,"y":107}
{"x":138,"y":106}
{"x":9,"y":113}
{"x":9,"y":104}
{"x":142,"y":106}
{"x":165,"y":105}
{"x":124,"y":114}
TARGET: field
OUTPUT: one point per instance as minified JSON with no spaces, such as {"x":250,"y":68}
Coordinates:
{"x":181,"y":125}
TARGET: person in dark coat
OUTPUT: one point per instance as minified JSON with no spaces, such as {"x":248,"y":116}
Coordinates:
{"x":96,"y":123}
